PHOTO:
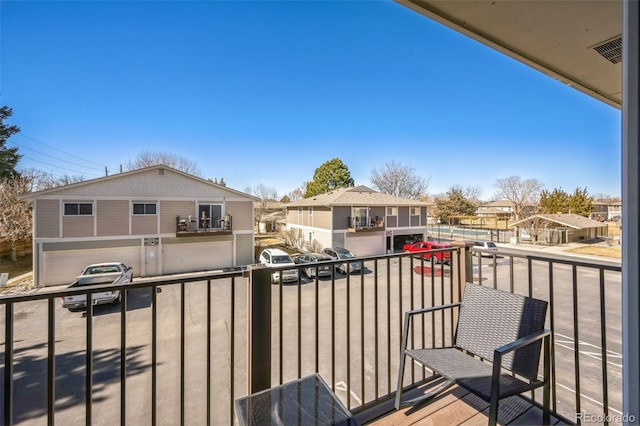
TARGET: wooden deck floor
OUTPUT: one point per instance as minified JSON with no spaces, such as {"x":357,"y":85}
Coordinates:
{"x":459,"y":407}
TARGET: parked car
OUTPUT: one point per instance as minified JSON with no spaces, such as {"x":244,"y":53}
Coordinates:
{"x":322,"y":270}
{"x":341,"y":253}
{"x":273,"y":257}
{"x":113,"y":273}
{"x":485,"y":245}
{"x":440,"y":256}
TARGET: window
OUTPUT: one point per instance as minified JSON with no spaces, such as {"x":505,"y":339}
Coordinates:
{"x":310,"y":211}
{"x":78,"y":209}
{"x":414,"y":211}
{"x":392,"y":211}
{"x":144,"y":208}
{"x":210,"y":216}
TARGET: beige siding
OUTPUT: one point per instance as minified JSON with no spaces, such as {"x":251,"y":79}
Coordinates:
{"x":170,"y":209}
{"x":292,"y":216}
{"x":144,"y":225}
{"x":321,"y":217}
{"x":244,"y":249}
{"x":341,"y":217}
{"x":77,"y":226}
{"x":241,"y":214}
{"x":113,"y":217}
{"x":403,"y":216}
{"x":47,"y":218}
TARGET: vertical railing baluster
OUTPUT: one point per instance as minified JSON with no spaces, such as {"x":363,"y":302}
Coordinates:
{"x":280,"y":331}
{"x":333,"y":329}
{"x":552,"y":316}
{"x":389,"y":324}
{"x":375,"y":330}
{"x":123,"y":356}
{"x":182,"y":350}
{"x":411,"y":306}
{"x":209,"y":352}
{"x":232,"y":344}
{"x":603,"y":343}
{"x":400,"y":312}
{"x":89,"y":362}
{"x":348,"y":320}
{"x":576,"y":340}
{"x":422,"y":317}
{"x":299,"y":324}
{"x":317,"y":321}
{"x":511,"y":274}
{"x":154,"y":353}
{"x":8,"y":364}
{"x":433,"y":303}
{"x":362,"y":381}
{"x":51,"y":361}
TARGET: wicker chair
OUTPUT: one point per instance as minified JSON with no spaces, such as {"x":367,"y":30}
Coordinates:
{"x":495,"y":352}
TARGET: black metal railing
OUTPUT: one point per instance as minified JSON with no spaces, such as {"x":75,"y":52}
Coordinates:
{"x":187,"y":347}
{"x":194,"y":224}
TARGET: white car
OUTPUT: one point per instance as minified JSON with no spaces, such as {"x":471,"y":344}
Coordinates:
{"x":485,"y":245}
{"x":274,"y":258}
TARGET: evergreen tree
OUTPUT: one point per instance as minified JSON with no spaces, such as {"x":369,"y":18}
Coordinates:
{"x":9,"y":157}
{"x":330,"y":175}
{"x":454,"y":203}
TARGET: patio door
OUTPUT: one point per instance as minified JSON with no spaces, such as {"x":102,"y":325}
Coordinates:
{"x":209,"y":216}
{"x":360,"y":217}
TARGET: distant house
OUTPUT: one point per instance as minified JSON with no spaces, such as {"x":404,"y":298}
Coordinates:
{"x":503,"y":209}
{"x":269,"y":216}
{"x":606,"y":210}
{"x":157,"y":219}
{"x":559,"y":228}
{"x":360,"y":219}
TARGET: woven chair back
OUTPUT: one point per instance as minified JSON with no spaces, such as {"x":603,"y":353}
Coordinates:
{"x":491,"y":318}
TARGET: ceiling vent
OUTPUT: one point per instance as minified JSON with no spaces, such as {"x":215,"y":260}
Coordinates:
{"x":611,"y":50}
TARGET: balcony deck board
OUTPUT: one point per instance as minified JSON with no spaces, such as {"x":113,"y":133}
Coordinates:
{"x":459,"y":407}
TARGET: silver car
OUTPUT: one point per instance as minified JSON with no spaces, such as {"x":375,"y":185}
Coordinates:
{"x":340,"y":253}
{"x":316,"y":258}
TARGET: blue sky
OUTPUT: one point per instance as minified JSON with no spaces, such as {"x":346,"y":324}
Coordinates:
{"x":264,"y":92}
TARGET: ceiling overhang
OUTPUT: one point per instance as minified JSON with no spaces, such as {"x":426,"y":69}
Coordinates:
{"x":576,"y":42}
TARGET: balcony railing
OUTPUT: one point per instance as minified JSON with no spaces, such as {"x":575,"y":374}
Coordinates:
{"x":193,"y":225}
{"x":356,"y":224}
{"x":186,"y":347}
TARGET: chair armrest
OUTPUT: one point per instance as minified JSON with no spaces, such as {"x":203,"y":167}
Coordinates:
{"x":522,"y":342}
{"x":430,"y":309}
{"x":510,"y":347}
{"x":409,"y":314}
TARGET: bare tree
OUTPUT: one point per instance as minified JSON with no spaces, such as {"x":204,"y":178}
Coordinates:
{"x":520,"y":192}
{"x":15,"y":213}
{"x":37,"y":180}
{"x":153,"y":158}
{"x":268,"y":201}
{"x":298,"y":193}
{"x":400,"y":180}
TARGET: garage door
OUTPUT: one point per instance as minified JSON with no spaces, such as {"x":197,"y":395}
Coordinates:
{"x":192,"y":257}
{"x":368,"y":245}
{"x":61,"y":267}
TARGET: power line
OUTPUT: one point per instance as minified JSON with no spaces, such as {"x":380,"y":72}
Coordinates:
{"x":56,"y":166}
{"x":57,"y":149}
{"x":55,"y":158}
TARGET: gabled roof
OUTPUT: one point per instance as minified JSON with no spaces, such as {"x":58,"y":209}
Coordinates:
{"x":569,"y":220}
{"x":144,"y":183}
{"x":355,"y":196}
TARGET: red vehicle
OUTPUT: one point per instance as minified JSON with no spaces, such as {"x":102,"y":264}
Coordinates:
{"x":441,"y":256}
